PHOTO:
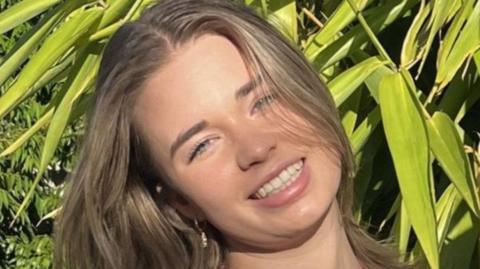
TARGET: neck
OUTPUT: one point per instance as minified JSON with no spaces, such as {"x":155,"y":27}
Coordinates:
{"x":328,"y":247}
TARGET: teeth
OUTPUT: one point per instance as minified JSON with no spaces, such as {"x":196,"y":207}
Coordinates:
{"x":291,"y":169}
{"x":277,"y":183}
{"x":280,"y":182}
{"x":268,"y":187}
{"x":285,"y":174}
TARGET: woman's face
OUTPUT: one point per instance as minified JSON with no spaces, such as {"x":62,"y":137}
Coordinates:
{"x":213,"y":131}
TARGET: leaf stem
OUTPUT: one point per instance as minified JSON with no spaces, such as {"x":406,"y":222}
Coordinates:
{"x":371,"y":35}
{"x":312,"y":17}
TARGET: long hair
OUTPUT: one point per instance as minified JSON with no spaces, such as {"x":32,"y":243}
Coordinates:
{"x":113,"y":214}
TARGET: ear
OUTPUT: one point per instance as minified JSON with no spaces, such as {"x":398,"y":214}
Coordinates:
{"x":187,"y":208}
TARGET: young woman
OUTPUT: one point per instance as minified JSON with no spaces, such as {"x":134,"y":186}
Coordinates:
{"x":212,"y":143}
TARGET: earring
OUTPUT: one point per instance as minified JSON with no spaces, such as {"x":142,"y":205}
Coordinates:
{"x":202,"y":234}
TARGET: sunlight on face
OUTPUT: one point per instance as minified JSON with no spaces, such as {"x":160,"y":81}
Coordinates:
{"x":205,"y":120}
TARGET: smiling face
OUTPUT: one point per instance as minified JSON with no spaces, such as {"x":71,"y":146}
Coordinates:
{"x":208,"y":126}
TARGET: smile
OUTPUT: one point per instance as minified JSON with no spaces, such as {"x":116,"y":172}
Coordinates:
{"x":284,"y":179}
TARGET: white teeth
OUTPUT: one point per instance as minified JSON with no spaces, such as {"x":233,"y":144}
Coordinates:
{"x":285,"y":175}
{"x":261,"y":192}
{"x":268,"y":187}
{"x":298,"y":165}
{"x":276,"y":182}
{"x":280,"y":182}
{"x":291,"y":169}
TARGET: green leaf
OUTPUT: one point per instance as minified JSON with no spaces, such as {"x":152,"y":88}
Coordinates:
{"x":347,"y":82}
{"x":29,"y":41}
{"x":26,"y":135}
{"x":132,"y":14}
{"x":413,"y":40}
{"x":378,"y":20}
{"x":440,"y":12}
{"x":448,"y":149}
{"x":365,"y":161}
{"x":342,"y":16}
{"x":54,"y":47}
{"x":83,"y":76}
{"x":349,"y":112}
{"x":460,"y":240}
{"x":401,"y":227}
{"x":22,"y":12}
{"x":467,"y":43}
{"x":285,"y":11}
{"x":455,"y":96}
{"x":114,"y":11}
{"x":407,"y":139}
{"x":373,"y":81}
{"x":446,"y":206}
{"x":364,"y":130}
{"x":453,"y":31}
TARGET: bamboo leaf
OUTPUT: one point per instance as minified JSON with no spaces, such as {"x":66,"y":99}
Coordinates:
{"x":453,"y":31}
{"x":285,"y":11}
{"x":43,"y":121}
{"x":83,"y":76}
{"x":412,"y":42}
{"x":469,"y":102}
{"x":448,"y":149}
{"x":54,"y":47}
{"x":29,"y":41}
{"x":135,"y":12}
{"x":446,"y":206}
{"x":114,"y":11}
{"x":373,"y":39}
{"x":401,"y":228}
{"x":373,"y":81}
{"x":467,"y":43}
{"x":440,"y":12}
{"x":407,"y":139}
{"x":342,"y":16}
{"x":347,"y":82}
{"x":378,"y":20}
{"x":22,"y":12}
{"x":349,"y":112}
{"x":364,"y":130}
{"x":25,"y":136}
{"x":454,"y":96}
{"x":365,"y":161}
{"x":460,"y":240}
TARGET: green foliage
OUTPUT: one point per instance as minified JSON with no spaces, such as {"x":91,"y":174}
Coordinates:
{"x":404,"y":75}
{"x":28,"y":243}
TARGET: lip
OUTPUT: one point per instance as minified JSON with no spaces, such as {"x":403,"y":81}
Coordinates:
{"x":290,"y":194}
{"x":274,"y":172}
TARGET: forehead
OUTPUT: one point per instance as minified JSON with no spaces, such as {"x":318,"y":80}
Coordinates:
{"x":198,"y":82}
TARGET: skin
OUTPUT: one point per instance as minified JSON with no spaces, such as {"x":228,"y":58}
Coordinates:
{"x":243,"y":144}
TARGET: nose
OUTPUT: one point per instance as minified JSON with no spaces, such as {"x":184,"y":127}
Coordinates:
{"x":254,"y":146}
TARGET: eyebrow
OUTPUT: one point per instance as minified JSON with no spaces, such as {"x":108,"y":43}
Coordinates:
{"x":183,"y":137}
{"x":247,"y":87}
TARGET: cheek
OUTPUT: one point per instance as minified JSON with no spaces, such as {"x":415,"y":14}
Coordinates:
{"x":326,"y":170}
{"x":295,"y":128}
{"x":208,"y":187}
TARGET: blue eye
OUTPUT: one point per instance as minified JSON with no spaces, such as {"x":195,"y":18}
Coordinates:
{"x":198,"y":149}
{"x":263,"y":101}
